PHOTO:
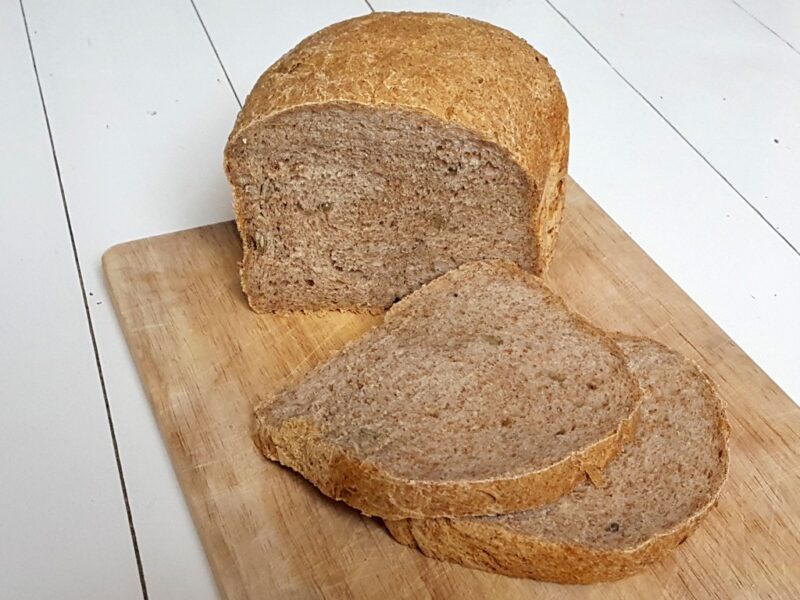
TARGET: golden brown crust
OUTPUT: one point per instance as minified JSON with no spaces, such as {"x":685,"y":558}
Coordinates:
{"x":503,"y":91}
{"x":551,"y":208}
{"x":479,"y":545}
{"x":484,"y":544}
{"x":299,"y":444}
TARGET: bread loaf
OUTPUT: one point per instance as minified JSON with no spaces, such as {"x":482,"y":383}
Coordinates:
{"x":657,"y":491}
{"x":480,"y":393}
{"x":386,"y":150}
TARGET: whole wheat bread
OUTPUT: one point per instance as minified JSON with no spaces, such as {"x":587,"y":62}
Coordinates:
{"x":657,"y":491}
{"x":481,"y":393}
{"x":386,"y":150}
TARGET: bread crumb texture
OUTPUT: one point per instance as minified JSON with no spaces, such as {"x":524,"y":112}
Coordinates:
{"x":481,"y":393}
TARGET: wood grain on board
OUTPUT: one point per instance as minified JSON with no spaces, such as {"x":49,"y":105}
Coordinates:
{"x":206,"y":360}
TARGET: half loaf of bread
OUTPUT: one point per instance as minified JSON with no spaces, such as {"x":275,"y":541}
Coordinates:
{"x":657,"y":491}
{"x":386,"y":150}
{"x":480,"y":393}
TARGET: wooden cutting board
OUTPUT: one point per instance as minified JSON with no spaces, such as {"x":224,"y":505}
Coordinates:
{"x":206,"y":359}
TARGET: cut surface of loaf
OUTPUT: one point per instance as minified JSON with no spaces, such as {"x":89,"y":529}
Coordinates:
{"x":481,"y":393}
{"x":386,"y":150}
{"x":657,"y":491}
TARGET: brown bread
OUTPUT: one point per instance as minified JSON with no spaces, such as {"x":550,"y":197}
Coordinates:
{"x":481,"y":393}
{"x":657,"y":491}
{"x":386,"y":150}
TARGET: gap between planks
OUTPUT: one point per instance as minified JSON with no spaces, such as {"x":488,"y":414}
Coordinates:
{"x":87,"y":311}
{"x":663,"y":117}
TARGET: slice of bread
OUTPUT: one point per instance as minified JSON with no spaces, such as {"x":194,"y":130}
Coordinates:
{"x":386,"y":150}
{"x":657,"y":491}
{"x":481,"y":393}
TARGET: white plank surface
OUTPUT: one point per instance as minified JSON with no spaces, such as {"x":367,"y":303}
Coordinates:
{"x":728,"y":85}
{"x":62,"y":513}
{"x":140,"y":110}
{"x":782,"y":17}
{"x":647,"y":178}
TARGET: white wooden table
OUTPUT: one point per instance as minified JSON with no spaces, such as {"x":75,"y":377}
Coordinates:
{"x":685,"y":128}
